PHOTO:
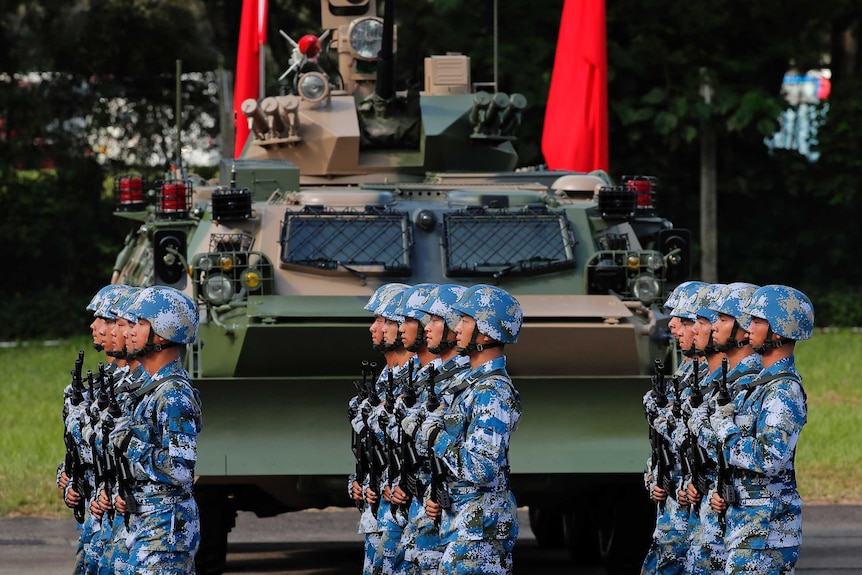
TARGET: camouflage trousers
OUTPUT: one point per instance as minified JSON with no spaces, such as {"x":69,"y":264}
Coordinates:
{"x":116,"y":552}
{"x":420,"y":543}
{"x":390,"y":555}
{"x":707,"y":554}
{"x":93,"y":543}
{"x":164,"y":538}
{"x":372,"y":543}
{"x":148,"y":562}
{"x":779,"y":561}
{"x":485,"y":557}
{"x":666,"y":555}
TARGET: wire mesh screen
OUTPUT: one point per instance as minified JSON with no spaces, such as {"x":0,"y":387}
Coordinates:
{"x":481,"y":242}
{"x":373,"y":241}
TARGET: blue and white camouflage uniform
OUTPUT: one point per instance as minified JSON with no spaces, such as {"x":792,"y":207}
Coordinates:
{"x":764,"y":530}
{"x":387,"y":558}
{"x":164,"y":533}
{"x":115,"y":556}
{"x":666,"y":555}
{"x":480,"y":529}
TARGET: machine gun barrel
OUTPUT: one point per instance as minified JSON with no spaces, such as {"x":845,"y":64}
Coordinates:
{"x":724,"y":486}
{"x":661,"y":453}
{"x":439,"y":494}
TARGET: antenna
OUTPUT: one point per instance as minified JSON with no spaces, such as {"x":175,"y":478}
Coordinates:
{"x":179,"y":116}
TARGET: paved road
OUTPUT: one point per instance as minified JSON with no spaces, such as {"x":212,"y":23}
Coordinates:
{"x":325,"y":542}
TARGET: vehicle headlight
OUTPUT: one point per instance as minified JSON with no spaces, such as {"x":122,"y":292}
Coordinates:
{"x":313,"y":87}
{"x":654,"y":261}
{"x":645,"y":288}
{"x":366,"y":37}
{"x":218,"y":289}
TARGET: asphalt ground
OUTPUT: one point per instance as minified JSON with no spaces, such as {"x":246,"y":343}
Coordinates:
{"x":326,"y":542}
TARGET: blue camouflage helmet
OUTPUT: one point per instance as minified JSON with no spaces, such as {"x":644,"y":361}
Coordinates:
{"x":686,"y":307}
{"x":171,"y":313}
{"x":381,"y":294}
{"x":109,"y":299}
{"x":705,"y":297}
{"x":683,"y":290}
{"x":789,"y":311}
{"x":732,"y":300}
{"x":412,"y":301}
{"x":100,"y":295}
{"x":391,"y":302}
{"x":440,"y":302}
{"x":497,"y":313}
{"x":124,"y":302}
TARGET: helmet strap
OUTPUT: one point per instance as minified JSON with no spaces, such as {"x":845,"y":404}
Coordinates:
{"x":444,"y":342}
{"x":769,"y":343}
{"x":732,"y":342}
{"x":473,"y":346}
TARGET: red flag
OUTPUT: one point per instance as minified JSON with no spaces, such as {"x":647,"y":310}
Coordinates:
{"x":575,"y":135}
{"x":252,"y":36}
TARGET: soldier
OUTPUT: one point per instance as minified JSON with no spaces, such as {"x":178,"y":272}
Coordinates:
{"x":706,"y":554}
{"x":79,"y":423}
{"x":472,"y":436}
{"x":159,"y":439}
{"x":361,"y":413}
{"x":666,"y":555}
{"x":115,"y":555}
{"x":405,"y":497}
{"x":758,"y":437}
{"x":404,"y":364}
{"x":743,"y":365}
{"x":421,"y":538}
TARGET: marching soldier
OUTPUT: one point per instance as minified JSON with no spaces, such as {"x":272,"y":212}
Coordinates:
{"x":472,"y":436}
{"x":362,"y":415}
{"x":758,"y":436}
{"x":421,"y":538}
{"x":706,"y":554}
{"x":666,"y":555}
{"x":159,"y":439}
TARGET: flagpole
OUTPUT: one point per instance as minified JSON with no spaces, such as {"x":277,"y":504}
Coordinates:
{"x":262,"y":63}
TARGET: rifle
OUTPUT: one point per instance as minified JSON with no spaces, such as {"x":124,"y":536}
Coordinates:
{"x":100,"y":459}
{"x":374,"y":454}
{"x":113,"y":411}
{"x":701,"y":462}
{"x":358,"y":441}
{"x":73,"y":465}
{"x":439,"y":494}
{"x":684,"y":455}
{"x":661,"y":454}
{"x":393,"y":457}
{"x":725,"y":473}
{"x":410,"y":459}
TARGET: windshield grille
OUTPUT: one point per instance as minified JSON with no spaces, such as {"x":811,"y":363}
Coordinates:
{"x":534,"y":241}
{"x":370,"y":241}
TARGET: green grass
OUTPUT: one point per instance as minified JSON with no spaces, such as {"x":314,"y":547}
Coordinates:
{"x":31,"y":441}
{"x":829,"y":456}
{"x":829,"y":459}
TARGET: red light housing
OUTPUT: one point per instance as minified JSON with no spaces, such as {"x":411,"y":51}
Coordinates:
{"x":129,"y":191}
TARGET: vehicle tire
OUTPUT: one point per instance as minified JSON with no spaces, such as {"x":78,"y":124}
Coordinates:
{"x":217,"y":518}
{"x":581,"y":538}
{"x":547,"y":526}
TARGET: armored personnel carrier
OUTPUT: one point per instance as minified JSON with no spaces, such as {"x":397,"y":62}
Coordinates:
{"x":345,"y":184}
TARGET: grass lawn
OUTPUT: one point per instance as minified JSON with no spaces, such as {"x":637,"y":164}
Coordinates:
{"x":829,"y":459}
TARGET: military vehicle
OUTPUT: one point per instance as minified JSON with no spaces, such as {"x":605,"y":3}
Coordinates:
{"x":346,"y":184}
